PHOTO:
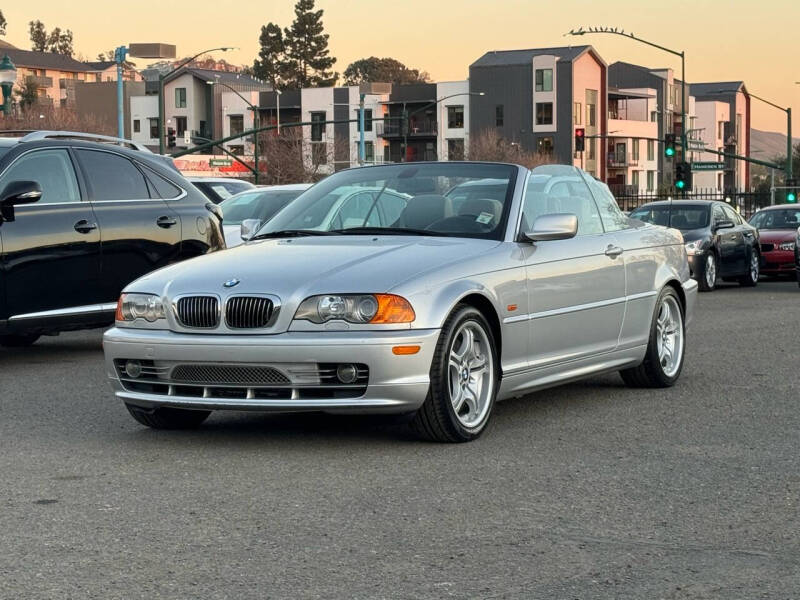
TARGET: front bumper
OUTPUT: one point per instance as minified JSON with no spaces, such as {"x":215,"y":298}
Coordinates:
{"x":690,"y":291}
{"x":396,"y":384}
{"x":776,"y":262}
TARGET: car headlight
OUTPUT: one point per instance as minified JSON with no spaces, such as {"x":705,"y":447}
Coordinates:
{"x":356,"y":308}
{"x":695,"y":247}
{"x":140,"y":306}
{"x":789,"y":246}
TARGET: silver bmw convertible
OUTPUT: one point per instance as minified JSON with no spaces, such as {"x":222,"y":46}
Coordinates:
{"x":433,"y":291}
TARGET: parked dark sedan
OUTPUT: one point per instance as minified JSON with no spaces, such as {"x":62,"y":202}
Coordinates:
{"x":79,"y":220}
{"x":719,"y":243}
{"x":777,"y":229}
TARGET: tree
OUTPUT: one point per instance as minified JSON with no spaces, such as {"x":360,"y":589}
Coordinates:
{"x":309,"y":61}
{"x":59,"y":42}
{"x":27,"y":92}
{"x":374,"y":69}
{"x":38,"y":35}
{"x":3,"y":23}
{"x":271,"y":64}
{"x":489,"y":146}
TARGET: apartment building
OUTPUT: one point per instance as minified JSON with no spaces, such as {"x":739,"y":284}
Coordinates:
{"x":723,"y":120}
{"x":631,"y":148}
{"x":538,"y":97}
{"x":197,"y":101}
{"x":667,"y":110}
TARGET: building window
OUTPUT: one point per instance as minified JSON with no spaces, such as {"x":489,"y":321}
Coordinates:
{"x":545,"y":145}
{"x":369,"y":150}
{"x":455,"y":117}
{"x":635,"y":179}
{"x":137,"y":126}
{"x":238,"y":150}
{"x":153,"y":128}
{"x":651,"y":149}
{"x":635,"y":148}
{"x":236,"y":124}
{"x":591,"y":115}
{"x":544,"y":80}
{"x":180,"y":97}
{"x":544,"y":113}
{"x":651,"y":181}
{"x":455,"y":149}
{"x":576,"y":113}
{"x":367,"y":120}
{"x":653,"y":116}
{"x":720,"y":130}
{"x":317,"y":127}
{"x":498,"y":115}
{"x":180,"y":125}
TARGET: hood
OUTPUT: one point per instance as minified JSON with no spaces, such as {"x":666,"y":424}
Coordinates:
{"x":692,"y":235}
{"x":777,"y":236}
{"x":294,"y":269}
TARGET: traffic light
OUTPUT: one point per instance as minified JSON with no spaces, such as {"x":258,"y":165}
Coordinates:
{"x":669,"y":145}
{"x":170,"y":137}
{"x":791,"y":191}
{"x":683,"y":176}
{"x":580,"y":139}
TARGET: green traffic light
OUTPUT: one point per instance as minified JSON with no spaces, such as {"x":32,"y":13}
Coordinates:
{"x":791,"y":197}
{"x":680,"y":184}
{"x":669,"y":152}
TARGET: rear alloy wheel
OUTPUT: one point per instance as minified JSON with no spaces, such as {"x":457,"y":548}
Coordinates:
{"x":168,"y":418}
{"x":18,"y":340}
{"x":663,"y":359}
{"x":464,"y":380}
{"x":707,"y":277}
{"x":750,"y":279}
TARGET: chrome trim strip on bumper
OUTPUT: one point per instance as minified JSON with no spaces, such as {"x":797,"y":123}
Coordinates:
{"x":67,"y":312}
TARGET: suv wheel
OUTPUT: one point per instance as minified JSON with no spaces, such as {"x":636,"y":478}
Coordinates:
{"x":750,"y":279}
{"x":707,"y":274}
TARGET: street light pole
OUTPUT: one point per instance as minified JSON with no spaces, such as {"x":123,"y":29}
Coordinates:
{"x":255,"y":122}
{"x":8,"y":76}
{"x":119,"y":57}
{"x":161,"y":77}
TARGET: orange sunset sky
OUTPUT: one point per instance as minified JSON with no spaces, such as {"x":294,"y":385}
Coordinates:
{"x":758,"y":42}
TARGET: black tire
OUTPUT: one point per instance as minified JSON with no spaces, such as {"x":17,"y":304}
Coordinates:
{"x":436,"y":419}
{"x":18,"y":340}
{"x":703,"y":284}
{"x":650,"y":373}
{"x":747,"y":280}
{"x":168,"y":418}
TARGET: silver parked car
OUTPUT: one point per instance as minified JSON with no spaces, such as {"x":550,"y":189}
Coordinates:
{"x":420,"y":300}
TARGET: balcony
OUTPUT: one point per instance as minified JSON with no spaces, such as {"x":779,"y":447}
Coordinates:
{"x":619,"y":160}
{"x":40,"y":81}
{"x":416,"y":128}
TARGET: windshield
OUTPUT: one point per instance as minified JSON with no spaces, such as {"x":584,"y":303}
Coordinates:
{"x":684,"y":218}
{"x":261,"y":205}
{"x":788,"y":218}
{"x":405,"y":198}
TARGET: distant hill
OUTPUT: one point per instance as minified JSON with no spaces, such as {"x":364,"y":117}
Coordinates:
{"x":766,"y":145}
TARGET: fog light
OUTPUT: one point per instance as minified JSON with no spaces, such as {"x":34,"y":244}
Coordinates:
{"x":133,"y":368}
{"x":347,"y":373}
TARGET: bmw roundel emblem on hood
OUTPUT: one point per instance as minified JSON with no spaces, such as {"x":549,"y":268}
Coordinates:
{"x":231,"y":283}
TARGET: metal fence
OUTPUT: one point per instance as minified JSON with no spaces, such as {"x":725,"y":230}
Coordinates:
{"x":746,"y":202}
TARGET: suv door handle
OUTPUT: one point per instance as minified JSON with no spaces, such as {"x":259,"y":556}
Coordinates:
{"x":166,"y":222}
{"x":83,"y":226}
{"x":613,"y":251}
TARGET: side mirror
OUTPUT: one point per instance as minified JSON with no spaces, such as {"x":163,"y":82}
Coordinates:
{"x":724,"y":224}
{"x":18,"y":192}
{"x":249,"y":227}
{"x":560,"y":226}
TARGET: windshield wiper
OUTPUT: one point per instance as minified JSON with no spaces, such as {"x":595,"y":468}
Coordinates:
{"x":292,"y":233}
{"x":386,"y":231}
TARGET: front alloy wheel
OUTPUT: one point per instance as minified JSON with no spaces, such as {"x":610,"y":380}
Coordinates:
{"x":750,"y":279}
{"x":708,"y":274}
{"x":464,"y":380}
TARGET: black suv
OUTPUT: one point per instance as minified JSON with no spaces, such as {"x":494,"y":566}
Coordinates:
{"x":81,"y":219}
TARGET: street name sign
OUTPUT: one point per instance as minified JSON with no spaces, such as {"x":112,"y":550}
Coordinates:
{"x":708,"y":166}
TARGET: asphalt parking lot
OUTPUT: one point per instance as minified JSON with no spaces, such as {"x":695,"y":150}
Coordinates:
{"x":587,"y":491}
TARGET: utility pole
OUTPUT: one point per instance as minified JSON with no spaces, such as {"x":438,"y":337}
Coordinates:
{"x":119,"y":57}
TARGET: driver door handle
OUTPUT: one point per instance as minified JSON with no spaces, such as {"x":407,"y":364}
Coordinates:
{"x":83,"y":226}
{"x":166,"y":222}
{"x":613,"y":251}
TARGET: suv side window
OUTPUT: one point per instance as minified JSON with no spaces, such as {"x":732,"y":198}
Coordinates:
{"x":52,"y":169}
{"x":112,"y":177}
{"x":732,"y":215}
{"x":164,"y":189}
{"x":717,"y":214}
{"x":613,"y":219}
{"x":560,"y":189}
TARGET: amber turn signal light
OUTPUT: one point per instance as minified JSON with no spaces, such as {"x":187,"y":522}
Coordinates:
{"x":405,"y":350}
{"x":393,"y":309}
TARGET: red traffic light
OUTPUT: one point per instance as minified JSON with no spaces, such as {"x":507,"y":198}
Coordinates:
{"x":579,"y":132}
